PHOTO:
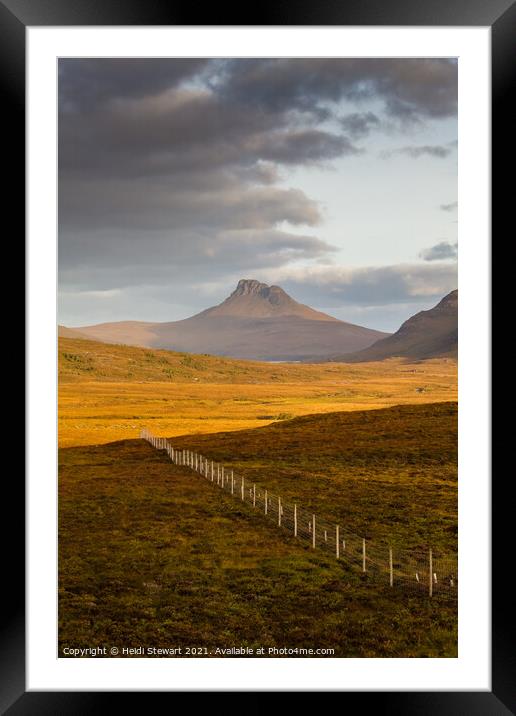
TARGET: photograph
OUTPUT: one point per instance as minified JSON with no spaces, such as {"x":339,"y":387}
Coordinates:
{"x":257,"y":357}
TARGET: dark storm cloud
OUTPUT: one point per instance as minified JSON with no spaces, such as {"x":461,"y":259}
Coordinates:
{"x":144,"y":205}
{"x":449,"y":207}
{"x":425,"y":87}
{"x":183,"y":259}
{"x":441,"y":251}
{"x":84,"y":83}
{"x":359,"y":124}
{"x":186,"y":130}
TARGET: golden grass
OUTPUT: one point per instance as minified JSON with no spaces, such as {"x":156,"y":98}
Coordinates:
{"x":148,"y":551}
{"x":108,"y":392}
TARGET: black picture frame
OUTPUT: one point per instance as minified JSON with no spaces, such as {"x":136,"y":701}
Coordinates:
{"x":500,"y":16}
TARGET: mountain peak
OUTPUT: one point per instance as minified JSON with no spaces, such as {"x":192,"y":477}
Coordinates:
{"x":427,"y":334}
{"x":254,"y":299}
{"x":252,"y":287}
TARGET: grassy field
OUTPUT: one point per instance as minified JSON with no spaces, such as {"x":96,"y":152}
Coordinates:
{"x":108,"y":392}
{"x":388,"y":475}
{"x":151,"y":555}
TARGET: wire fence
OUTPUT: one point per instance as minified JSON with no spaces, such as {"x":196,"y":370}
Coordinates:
{"x":424,"y":571}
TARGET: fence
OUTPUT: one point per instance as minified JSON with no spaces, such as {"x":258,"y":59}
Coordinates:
{"x":424,"y":571}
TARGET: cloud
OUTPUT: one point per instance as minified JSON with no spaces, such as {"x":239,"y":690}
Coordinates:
{"x":359,"y":124}
{"x":449,"y":207}
{"x":182,"y":260}
{"x":431,"y":150}
{"x":185,"y":130}
{"x":86,"y":83}
{"x":141,"y":205}
{"x":440,"y":252}
{"x":335,"y":286}
{"x":421,"y":87}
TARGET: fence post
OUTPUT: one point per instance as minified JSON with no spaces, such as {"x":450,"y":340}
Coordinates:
{"x":295,"y":520}
{"x":391,"y":571}
{"x":232,"y":482}
{"x":279,"y":511}
{"x":313,"y":531}
{"x":363,"y":555}
{"x":212,"y":470}
{"x":254,"y":495}
{"x":337,"y":542}
{"x":222,"y":476}
{"x":430,"y":572}
{"x":266,"y":501}
{"x":243,"y":487}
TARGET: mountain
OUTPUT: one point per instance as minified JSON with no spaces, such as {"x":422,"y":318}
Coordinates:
{"x":256,"y":321}
{"x":252,"y":299}
{"x":428,"y":334}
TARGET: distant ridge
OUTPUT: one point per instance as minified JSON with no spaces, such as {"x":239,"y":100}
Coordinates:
{"x":64,"y":332}
{"x":257,"y":322}
{"x":427,"y":334}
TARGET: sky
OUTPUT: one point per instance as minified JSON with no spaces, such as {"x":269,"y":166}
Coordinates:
{"x":335,"y":179}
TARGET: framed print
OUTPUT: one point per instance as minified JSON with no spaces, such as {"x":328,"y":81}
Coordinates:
{"x":259,"y":417}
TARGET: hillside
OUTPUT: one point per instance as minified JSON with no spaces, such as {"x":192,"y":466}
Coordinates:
{"x":428,"y":334}
{"x":256,"y":322}
{"x":64,"y":332}
{"x":87,"y":360}
{"x":390,"y":474}
{"x":148,"y":549}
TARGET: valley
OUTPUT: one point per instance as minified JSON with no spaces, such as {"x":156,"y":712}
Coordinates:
{"x":109,"y":392}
